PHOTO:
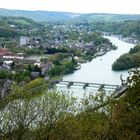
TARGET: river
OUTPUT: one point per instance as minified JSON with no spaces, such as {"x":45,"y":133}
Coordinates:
{"x":99,"y":69}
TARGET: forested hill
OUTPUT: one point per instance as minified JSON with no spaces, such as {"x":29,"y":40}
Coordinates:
{"x":129,"y":28}
{"x":38,"y":15}
{"x":66,"y":16}
{"x":128,"y":60}
{"x":12,"y":26}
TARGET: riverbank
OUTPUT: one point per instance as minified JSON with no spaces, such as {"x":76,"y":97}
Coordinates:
{"x":126,"y":39}
{"x":99,"y":70}
{"x":88,"y":58}
{"x":65,"y":63}
{"x":79,"y":61}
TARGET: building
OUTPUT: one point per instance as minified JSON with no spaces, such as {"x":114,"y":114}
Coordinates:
{"x":46,"y":68}
{"x":8,"y":63}
{"x":5,"y":53}
{"x":37,"y":64}
{"x":12,"y":56}
{"x":24,"y":40}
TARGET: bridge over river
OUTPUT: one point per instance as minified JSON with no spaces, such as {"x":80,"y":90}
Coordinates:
{"x":87,"y":84}
{"x":117,"y":89}
{"x":97,"y":71}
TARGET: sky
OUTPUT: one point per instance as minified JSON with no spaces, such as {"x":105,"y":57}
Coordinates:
{"x":76,"y":6}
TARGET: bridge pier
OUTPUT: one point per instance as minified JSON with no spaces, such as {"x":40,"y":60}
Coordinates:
{"x":85,"y":85}
{"x":69,"y":84}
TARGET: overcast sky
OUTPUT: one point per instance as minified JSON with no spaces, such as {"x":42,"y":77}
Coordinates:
{"x":78,"y":6}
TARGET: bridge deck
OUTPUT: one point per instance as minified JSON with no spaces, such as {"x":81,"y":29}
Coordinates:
{"x":87,"y":84}
{"x":112,"y":85}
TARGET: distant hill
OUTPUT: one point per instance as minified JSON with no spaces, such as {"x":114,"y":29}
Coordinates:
{"x":99,"y":17}
{"x":66,"y":16}
{"x":39,"y":15}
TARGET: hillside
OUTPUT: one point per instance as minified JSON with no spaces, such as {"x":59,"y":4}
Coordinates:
{"x":128,"y":60}
{"x":129,"y":28}
{"x":7,"y":32}
{"x":100,"y":17}
{"x":11,"y":26}
{"x":38,"y":15}
{"x":65,"y":16}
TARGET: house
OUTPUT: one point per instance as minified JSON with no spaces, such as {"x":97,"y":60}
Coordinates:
{"x":8,"y":63}
{"x":37,"y":64}
{"x":12,"y":56}
{"x":24,"y":40}
{"x":46,"y":68}
{"x":22,"y":54}
{"x":12,"y":26}
{"x":5,"y":53}
{"x":89,"y":46}
{"x":106,"y":33}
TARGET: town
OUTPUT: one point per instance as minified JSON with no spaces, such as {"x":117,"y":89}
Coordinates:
{"x":46,"y":50}
{"x":69,"y":70}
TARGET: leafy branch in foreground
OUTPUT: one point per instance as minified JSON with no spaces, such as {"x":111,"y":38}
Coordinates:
{"x":59,"y":116}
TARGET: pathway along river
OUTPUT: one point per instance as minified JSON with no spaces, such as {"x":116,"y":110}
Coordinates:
{"x":99,"y":70}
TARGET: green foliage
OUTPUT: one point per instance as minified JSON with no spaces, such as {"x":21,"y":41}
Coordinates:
{"x":34,"y":117}
{"x":135,"y":49}
{"x":25,"y":50}
{"x":56,"y":50}
{"x":3,"y":74}
{"x":126,"y":113}
{"x":17,"y":76}
{"x":68,"y":67}
{"x":7,"y":32}
{"x":65,"y":67}
{"x":129,"y":60}
{"x":56,"y":70}
{"x":57,"y":57}
{"x":73,"y":35}
{"x":130,"y":28}
{"x":57,"y":116}
{"x":21,"y":21}
{"x":35,"y":83}
{"x":95,"y":37}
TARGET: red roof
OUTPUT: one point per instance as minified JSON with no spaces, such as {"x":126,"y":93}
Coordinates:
{"x":4,"y":51}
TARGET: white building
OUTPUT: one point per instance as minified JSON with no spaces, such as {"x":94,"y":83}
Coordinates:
{"x":13,"y":57}
{"x":24,"y":40}
{"x":8,"y":63}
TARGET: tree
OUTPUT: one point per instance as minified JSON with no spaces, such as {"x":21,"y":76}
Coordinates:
{"x":3,"y":74}
{"x":126,"y":112}
{"x":54,"y":107}
{"x":34,"y":117}
{"x":18,"y":116}
{"x":73,"y":61}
